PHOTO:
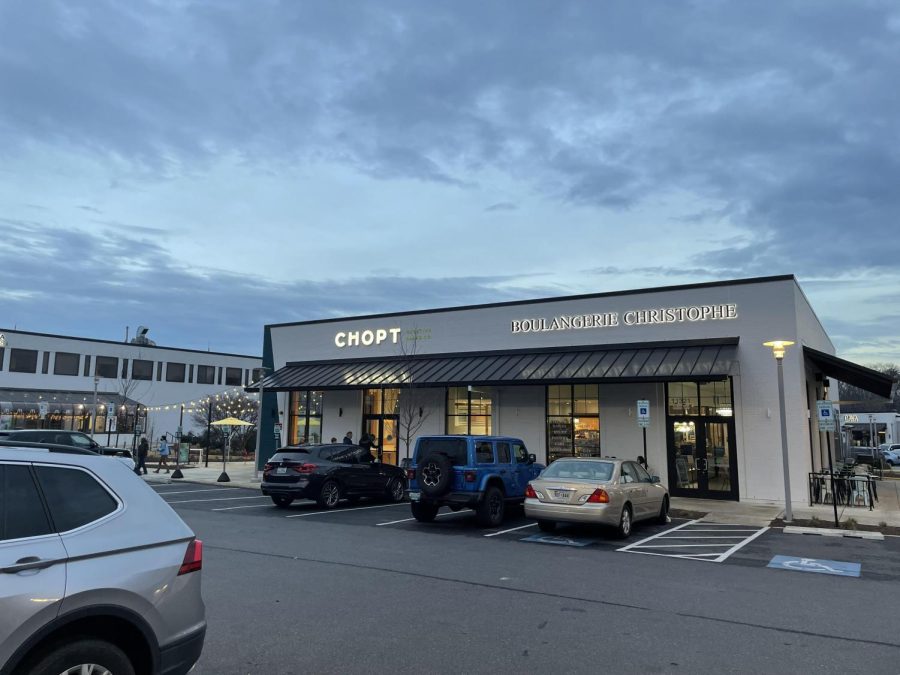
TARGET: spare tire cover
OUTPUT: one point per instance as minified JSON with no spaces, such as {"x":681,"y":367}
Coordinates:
{"x":435,"y":475}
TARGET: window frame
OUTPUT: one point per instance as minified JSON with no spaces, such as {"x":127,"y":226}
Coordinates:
{"x":56,"y":363}
{"x":232,"y":382}
{"x":105,"y":365}
{"x":468,"y":415}
{"x":569,"y":416}
{"x":169,"y":378}
{"x":203,"y":369}
{"x":12,"y":353}
{"x":40,"y":495}
{"x":141,"y":378}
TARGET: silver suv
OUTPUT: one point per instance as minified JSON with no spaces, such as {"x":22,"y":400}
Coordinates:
{"x":97,"y":573}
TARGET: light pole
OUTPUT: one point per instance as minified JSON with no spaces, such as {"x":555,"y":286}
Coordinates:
{"x":259,"y":414}
{"x":94,"y":411}
{"x":778,"y":348}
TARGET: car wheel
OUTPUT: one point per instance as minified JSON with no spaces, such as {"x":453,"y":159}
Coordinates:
{"x":96,"y":657}
{"x":329,"y":495}
{"x":490,"y":509}
{"x":663,"y":516}
{"x":547,"y":525}
{"x":424,"y":512}
{"x":624,"y":528}
{"x":396,"y":490}
{"x":282,"y":502}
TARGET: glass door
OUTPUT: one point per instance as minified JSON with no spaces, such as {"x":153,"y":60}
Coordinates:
{"x":383,"y":428}
{"x":701,"y":458}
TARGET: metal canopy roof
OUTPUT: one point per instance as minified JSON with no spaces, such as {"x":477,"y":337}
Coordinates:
{"x":657,"y":363}
{"x":851,"y":373}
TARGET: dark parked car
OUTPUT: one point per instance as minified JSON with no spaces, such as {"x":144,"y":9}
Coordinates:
{"x":328,"y":473}
{"x":75,"y":439}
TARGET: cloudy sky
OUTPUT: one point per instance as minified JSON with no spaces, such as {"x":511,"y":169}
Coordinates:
{"x":205,"y":167}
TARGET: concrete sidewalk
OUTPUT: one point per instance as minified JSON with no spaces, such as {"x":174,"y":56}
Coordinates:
{"x":886,"y":511}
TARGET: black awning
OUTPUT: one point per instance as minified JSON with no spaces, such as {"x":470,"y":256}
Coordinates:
{"x":850,"y":373}
{"x":656,"y":363}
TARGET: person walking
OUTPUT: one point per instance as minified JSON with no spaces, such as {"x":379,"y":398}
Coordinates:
{"x":163,"y":454}
{"x":367,"y":442}
{"x":143,"y":451}
{"x":348,"y":438}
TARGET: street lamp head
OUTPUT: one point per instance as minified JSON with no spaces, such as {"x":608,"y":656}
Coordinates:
{"x":778,"y":347}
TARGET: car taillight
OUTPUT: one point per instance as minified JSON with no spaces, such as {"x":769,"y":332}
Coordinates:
{"x":268,"y":467}
{"x":193,"y":558}
{"x":470,"y":476}
{"x":529,"y":492}
{"x":598,"y":496}
{"x":411,"y":474}
{"x":306,"y":468}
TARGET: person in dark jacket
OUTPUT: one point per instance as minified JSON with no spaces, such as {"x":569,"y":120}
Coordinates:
{"x":348,"y":438}
{"x":367,"y":442}
{"x":143,"y":451}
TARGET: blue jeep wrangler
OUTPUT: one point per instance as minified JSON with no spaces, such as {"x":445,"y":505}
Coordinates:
{"x":484,"y":473}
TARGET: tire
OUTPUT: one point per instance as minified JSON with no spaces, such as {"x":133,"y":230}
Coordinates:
{"x":547,"y":525}
{"x":625,"y":522}
{"x":396,"y":490}
{"x":69,"y":657}
{"x":329,"y":495}
{"x":282,"y":502}
{"x":423,"y":511}
{"x":490,"y":509}
{"x":435,"y":475}
{"x":663,"y":516}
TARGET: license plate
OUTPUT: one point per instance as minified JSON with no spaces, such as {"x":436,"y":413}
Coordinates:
{"x":561,"y":494}
{"x":414,"y":496}
{"x":281,"y":469}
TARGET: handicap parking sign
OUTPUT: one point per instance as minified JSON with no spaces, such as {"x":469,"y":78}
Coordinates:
{"x":835,"y":567}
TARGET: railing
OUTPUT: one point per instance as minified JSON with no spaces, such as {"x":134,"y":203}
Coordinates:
{"x":850,"y":489}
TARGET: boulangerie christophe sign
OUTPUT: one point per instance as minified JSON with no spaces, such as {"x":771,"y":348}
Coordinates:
{"x":632,"y":317}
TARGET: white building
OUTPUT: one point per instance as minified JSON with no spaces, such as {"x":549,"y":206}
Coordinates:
{"x":564,"y":374}
{"x":48,"y":381}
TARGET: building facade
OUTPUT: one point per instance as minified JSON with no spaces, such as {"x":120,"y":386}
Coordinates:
{"x":47,"y":381}
{"x":566,"y":375}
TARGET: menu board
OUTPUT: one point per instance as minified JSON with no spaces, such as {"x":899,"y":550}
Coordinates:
{"x":559,"y":437}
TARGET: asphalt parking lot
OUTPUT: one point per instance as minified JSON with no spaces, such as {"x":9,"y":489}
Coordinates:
{"x":272,"y":574}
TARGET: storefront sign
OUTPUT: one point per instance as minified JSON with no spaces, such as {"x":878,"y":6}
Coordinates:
{"x":633,"y":317}
{"x":366,"y":338}
{"x":851,"y":419}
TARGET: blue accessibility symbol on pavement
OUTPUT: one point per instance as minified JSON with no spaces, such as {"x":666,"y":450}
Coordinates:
{"x":836,"y":567}
{"x":559,"y":541}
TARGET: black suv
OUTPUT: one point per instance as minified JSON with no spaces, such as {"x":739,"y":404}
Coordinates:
{"x":74,"y":439}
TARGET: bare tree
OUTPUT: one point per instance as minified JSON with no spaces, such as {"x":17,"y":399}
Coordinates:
{"x":214,"y":408}
{"x":851,"y":394}
{"x":129,"y":389}
{"x":413,"y":408}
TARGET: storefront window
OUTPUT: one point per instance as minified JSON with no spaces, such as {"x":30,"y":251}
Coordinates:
{"x":305,"y":421}
{"x":688,"y":399}
{"x":573,"y":421}
{"x":469,"y":410}
{"x":381,"y":401}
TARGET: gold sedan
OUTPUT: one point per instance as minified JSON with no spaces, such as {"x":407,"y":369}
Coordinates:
{"x":608,"y":491}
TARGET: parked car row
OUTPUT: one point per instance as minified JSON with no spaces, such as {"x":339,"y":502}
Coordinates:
{"x":488,"y":474}
{"x":75,"y":439}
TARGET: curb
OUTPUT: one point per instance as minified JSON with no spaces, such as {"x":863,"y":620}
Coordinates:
{"x":831,"y":532}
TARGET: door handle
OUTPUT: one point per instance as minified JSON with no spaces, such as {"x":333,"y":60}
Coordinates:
{"x":29,"y":563}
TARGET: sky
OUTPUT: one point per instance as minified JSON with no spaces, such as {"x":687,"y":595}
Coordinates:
{"x":205,"y":168}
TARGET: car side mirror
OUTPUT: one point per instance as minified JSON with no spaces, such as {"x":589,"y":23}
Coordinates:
{"x":532,"y":459}
{"x":654,"y":479}
{"x":94,"y":444}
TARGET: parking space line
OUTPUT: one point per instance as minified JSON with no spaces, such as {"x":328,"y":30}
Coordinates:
{"x":219,"y":499}
{"x":654,"y":536}
{"x":355,"y":508}
{"x":681,"y":545}
{"x":512,"y":529}
{"x":406,"y":520}
{"x":184,"y":492}
{"x":250,"y":506}
{"x":715,"y":536}
{"x":739,"y":545}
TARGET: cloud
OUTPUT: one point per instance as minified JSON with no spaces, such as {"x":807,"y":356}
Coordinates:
{"x":501,"y":206}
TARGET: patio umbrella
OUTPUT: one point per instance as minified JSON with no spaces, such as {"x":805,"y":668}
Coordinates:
{"x":228,"y":422}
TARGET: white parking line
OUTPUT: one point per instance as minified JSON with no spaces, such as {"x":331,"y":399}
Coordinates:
{"x":184,"y":492}
{"x":662,"y":542}
{"x":219,"y":499}
{"x":356,"y":508}
{"x":406,"y":520}
{"x":251,"y":506}
{"x":512,"y":529}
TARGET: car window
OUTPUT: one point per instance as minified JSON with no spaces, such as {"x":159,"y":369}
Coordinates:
{"x":484,"y":453}
{"x":80,"y":440}
{"x":642,"y":474}
{"x":75,"y":497}
{"x":583,"y":470}
{"x":628,"y":473}
{"x":454,"y":448}
{"x":503,"y":456}
{"x":345,"y":455}
{"x":521,"y":453}
{"x":21,"y":511}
